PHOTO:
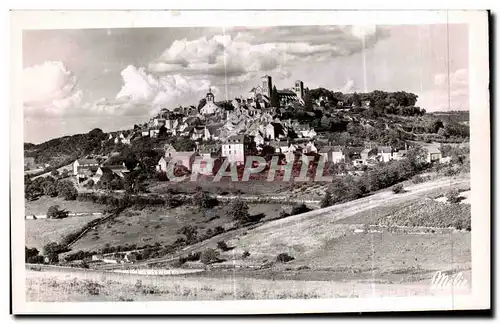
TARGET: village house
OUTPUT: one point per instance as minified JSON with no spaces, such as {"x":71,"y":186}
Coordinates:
{"x":209,"y":150}
{"x":269,"y":131}
{"x":304,"y":131}
{"x":84,"y":167}
{"x":332,"y":154}
{"x":310,"y":148}
{"x":384,"y":153}
{"x":234,"y":149}
{"x":258,"y":139}
{"x":212,"y":132}
{"x":185,"y":159}
{"x":399,"y":155}
{"x":169,"y":150}
{"x":433,"y":155}
{"x":118,"y":170}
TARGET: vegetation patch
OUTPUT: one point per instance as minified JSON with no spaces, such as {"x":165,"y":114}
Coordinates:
{"x":429,"y":213}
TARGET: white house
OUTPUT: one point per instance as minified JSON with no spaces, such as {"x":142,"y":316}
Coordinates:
{"x":234,"y":149}
{"x":384,"y":153}
{"x":84,"y":164}
{"x":433,"y":155}
{"x":269,"y":131}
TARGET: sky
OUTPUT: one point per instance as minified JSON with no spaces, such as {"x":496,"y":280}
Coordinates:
{"x":77,"y":80}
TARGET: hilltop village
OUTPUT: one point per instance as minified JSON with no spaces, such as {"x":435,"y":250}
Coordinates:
{"x":289,"y":123}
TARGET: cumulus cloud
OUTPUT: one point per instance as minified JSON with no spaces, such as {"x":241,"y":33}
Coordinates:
{"x":348,"y":87}
{"x":143,"y":93}
{"x":49,"y":89}
{"x":241,"y":51}
{"x":452,"y":97}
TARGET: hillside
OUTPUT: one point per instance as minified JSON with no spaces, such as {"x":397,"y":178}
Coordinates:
{"x":347,"y":241}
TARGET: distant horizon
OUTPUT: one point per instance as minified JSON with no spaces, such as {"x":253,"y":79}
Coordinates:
{"x":101,"y":78}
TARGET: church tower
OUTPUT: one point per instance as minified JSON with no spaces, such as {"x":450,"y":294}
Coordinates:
{"x":267,"y":86}
{"x":210,"y":95}
{"x":299,"y":89}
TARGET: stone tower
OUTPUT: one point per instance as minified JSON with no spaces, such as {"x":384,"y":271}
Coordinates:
{"x":267,"y":86}
{"x":299,"y":89}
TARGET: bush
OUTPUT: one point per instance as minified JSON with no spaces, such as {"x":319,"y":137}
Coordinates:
{"x":245,"y":255}
{"x":284,"y":257}
{"x":450,"y":171}
{"x":238,"y":210}
{"x":222,"y":246}
{"x":218,"y":230}
{"x":193,"y":256}
{"x":52,"y":251}
{"x":32,"y":255}
{"x":299,"y":209}
{"x":398,"y":188}
{"x":190,"y":233}
{"x":209,"y":256}
{"x":55,"y":213}
{"x":453,"y":196}
{"x":419,"y":179}
{"x":203,"y":200}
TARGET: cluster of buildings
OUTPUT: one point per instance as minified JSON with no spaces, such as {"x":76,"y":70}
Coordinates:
{"x":234,"y":130}
{"x":86,"y":169}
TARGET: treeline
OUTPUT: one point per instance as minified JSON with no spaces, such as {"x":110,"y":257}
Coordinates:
{"x":135,"y":201}
{"x":347,"y":188}
{"x":400,"y":102}
{"x":49,"y":186}
{"x":67,"y":146}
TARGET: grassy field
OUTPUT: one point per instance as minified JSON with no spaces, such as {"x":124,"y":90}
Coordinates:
{"x":42,"y":231}
{"x":42,"y":204}
{"x":225,"y":185}
{"x":87,"y":286}
{"x":160,"y":225}
{"x":326,"y":239}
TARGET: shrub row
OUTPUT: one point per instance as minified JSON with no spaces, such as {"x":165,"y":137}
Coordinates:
{"x":123,"y":202}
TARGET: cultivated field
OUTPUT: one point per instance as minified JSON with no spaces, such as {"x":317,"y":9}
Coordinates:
{"x":42,"y":231}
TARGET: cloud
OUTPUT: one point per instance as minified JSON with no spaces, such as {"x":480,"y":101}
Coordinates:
{"x":240,"y":51}
{"x":348,"y":87}
{"x":49,"y":89}
{"x":444,"y":97}
{"x":144,"y":93}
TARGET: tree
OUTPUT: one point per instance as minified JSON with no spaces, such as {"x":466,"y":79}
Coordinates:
{"x":204,"y":200}
{"x":52,"y":250}
{"x":453,"y":196}
{"x":356,"y":99}
{"x":238,"y":210}
{"x":209,"y":256}
{"x":54,"y":173}
{"x":54,"y":212}
{"x":327,"y":199}
{"x":50,"y":189}
{"x":299,"y":209}
{"x":190,"y":232}
{"x":67,"y":190}
{"x":134,"y":182}
{"x":202,"y":103}
{"x":32,"y":255}
{"x":434,"y":126}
